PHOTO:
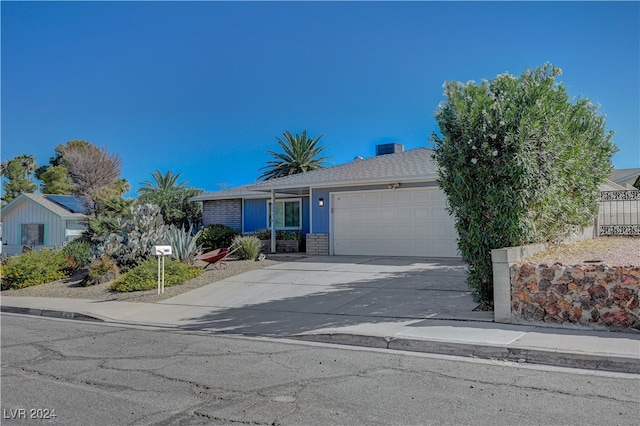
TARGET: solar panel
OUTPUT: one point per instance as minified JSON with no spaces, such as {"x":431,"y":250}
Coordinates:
{"x":73,"y":204}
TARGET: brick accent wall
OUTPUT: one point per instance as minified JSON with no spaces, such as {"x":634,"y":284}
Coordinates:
{"x":318,"y":244}
{"x":225,"y":212}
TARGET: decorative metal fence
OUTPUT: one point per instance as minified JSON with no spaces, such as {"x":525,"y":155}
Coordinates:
{"x":619,"y":213}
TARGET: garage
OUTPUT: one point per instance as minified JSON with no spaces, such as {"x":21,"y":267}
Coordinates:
{"x":398,"y":222}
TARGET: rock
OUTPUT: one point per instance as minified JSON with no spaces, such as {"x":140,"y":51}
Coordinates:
{"x":617,"y":319}
{"x":548,"y":274}
{"x":598,"y":293}
{"x":629,"y":280}
{"x":621,"y":293}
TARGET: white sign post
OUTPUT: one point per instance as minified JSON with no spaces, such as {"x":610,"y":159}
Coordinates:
{"x":161,"y":252}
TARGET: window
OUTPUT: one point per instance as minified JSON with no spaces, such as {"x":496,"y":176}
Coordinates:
{"x":32,"y":234}
{"x":287,"y":214}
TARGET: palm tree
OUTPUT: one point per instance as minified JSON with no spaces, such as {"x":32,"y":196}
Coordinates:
{"x":162,"y":182}
{"x":300,"y":155}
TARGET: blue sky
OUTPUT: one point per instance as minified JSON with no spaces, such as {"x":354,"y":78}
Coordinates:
{"x":204,"y":88}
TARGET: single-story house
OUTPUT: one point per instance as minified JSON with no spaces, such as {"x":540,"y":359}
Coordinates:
{"x":389,"y":204}
{"x":38,"y":221}
{"x":625,"y":177}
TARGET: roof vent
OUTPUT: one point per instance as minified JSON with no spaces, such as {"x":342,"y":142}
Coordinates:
{"x":358,"y":158}
{"x":389,"y":148}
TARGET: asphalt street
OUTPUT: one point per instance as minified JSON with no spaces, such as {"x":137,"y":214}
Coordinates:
{"x":79,"y":373}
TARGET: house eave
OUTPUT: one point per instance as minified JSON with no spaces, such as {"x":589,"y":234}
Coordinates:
{"x":299,"y":189}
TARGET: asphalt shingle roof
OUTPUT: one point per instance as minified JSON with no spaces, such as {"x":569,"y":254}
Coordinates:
{"x":412,"y":165}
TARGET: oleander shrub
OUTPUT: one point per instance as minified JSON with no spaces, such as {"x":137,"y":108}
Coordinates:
{"x":217,"y":236}
{"x":78,"y":252}
{"x":246,"y":247}
{"x":145,"y":276}
{"x":520,"y":162}
{"x":35,"y":267}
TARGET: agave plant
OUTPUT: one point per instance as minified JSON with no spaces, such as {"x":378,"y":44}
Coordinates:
{"x":184,"y":243}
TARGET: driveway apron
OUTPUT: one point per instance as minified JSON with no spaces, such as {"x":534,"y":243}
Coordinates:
{"x":332,"y":292}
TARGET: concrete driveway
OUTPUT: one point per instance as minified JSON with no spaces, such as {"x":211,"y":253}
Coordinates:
{"x":333,"y":293}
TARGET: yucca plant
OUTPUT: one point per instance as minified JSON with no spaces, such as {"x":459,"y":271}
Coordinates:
{"x":246,"y":247}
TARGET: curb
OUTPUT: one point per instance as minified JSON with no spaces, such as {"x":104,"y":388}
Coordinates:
{"x":50,"y":313}
{"x":514,"y":354}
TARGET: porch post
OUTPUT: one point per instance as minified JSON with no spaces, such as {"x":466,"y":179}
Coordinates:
{"x":273,"y":221}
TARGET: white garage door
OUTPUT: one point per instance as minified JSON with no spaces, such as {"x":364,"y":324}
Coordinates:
{"x":401,"y":222}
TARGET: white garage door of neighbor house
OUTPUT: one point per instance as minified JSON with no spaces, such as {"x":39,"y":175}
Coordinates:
{"x":400,"y":222}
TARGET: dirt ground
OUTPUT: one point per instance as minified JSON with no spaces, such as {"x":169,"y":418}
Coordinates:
{"x":614,"y":251}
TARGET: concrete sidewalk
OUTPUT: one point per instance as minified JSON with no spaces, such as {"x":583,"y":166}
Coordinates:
{"x":384,"y":302}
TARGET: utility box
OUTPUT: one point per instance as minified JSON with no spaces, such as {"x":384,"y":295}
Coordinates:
{"x":162,"y":250}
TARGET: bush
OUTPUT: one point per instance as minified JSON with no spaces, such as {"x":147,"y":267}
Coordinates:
{"x":101,"y":271}
{"x":217,"y":236}
{"x":35,"y":267}
{"x":520,"y":163}
{"x":78,"y":252}
{"x":247,"y":247}
{"x":145,"y":276}
{"x":265,"y":234}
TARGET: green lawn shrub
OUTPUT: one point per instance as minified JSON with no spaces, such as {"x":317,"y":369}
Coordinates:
{"x":217,"y":236}
{"x":145,"y":276}
{"x":35,"y":267}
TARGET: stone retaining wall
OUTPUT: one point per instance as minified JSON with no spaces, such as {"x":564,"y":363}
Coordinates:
{"x":594,"y":295}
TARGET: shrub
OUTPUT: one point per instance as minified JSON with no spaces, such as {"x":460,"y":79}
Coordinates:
{"x":145,"y":276}
{"x":265,"y":234}
{"x":35,"y":267}
{"x":520,"y":163}
{"x":217,"y":236}
{"x":101,"y":271}
{"x":78,"y":252}
{"x":247,"y":247}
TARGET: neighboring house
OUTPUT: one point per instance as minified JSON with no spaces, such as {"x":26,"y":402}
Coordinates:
{"x":37,"y":221}
{"x":389,"y":205}
{"x":625,"y":177}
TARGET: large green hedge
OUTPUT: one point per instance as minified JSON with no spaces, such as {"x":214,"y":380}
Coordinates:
{"x":520,"y":162}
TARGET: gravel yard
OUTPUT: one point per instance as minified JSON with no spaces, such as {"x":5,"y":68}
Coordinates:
{"x":71,"y":288}
{"x":615,"y":251}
